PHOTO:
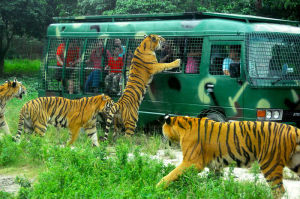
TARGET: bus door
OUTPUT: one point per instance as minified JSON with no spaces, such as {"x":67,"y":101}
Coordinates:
{"x":224,"y":85}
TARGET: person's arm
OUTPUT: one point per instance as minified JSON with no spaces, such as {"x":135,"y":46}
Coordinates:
{"x":225,"y":66}
{"x":59,"y":60}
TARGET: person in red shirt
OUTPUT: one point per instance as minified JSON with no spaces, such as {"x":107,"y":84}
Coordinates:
{"x":114,"y":68}
{"x":72,"y":58}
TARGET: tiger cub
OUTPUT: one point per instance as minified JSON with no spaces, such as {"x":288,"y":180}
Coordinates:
{"x":205,"y":142}
{"x":8,"y":90}
{"x":61,"y":112}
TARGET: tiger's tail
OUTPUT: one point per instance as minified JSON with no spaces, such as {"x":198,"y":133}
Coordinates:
{"x":17,"y":137}
{"x":114,"y":109}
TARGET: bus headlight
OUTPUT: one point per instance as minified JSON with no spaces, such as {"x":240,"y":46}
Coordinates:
{"x":276,"y":115}
{"x":269,"y":114}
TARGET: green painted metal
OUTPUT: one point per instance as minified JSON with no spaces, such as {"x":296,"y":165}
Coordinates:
{"x":180,"y":93}
{"x":170,"y":16}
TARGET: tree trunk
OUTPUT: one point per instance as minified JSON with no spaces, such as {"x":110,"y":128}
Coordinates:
{"x":1,"y":65}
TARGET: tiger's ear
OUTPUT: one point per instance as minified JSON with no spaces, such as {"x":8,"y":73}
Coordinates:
{"x":14,"y":83}
{"x":8,"y":82}
{"x":103,"y":97}
{"x":145,"y":36}
{"x":168,"y":119}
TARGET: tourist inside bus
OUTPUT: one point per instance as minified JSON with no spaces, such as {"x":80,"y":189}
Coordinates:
{"x":72,"y":59}
{"x":193,"y":59}
{"x":114,"y":68}
{"x":95,"y":61}
{"x":233,"y":57}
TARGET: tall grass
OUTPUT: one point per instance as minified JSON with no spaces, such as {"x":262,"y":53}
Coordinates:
{"x":22,"y":67}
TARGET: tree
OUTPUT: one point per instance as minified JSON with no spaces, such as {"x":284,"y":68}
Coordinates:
{"x":20,"y":17}
{"x":95,"y":7}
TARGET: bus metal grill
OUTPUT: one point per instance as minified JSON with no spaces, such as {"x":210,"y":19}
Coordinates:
{"x":273,"y":59}
{"x":95,"y":71}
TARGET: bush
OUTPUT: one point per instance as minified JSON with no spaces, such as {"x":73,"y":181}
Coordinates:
{"x":9,"y":151}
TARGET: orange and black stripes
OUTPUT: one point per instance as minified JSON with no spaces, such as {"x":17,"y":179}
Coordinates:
{"x":205,"y":142}
{"x":9,"y":90}
{"x":36,"y":114}
{"x":143,"y":66}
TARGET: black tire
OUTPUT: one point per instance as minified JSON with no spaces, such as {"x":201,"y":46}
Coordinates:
{"x":218,"y":117}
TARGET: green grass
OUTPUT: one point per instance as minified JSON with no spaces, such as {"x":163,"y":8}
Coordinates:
{"x":22,"y":67}
{"x":84,"y":171}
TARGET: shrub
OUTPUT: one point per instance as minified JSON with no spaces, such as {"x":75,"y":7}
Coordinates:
{"x":9,"y":151}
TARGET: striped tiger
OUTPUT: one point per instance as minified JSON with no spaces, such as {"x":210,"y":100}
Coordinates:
{"x":143,"y":66}
{"x":61,"y":112}
{"x":205,"y":142}
{"x":8,"y":90}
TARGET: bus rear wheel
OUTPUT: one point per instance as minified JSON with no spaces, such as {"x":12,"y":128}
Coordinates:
{"x":216,"y":116}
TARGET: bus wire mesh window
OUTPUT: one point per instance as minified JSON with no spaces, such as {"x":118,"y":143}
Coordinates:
{"x":115,"y":57}
{"x":52,"y":73}
{"x":193,"y":54}
{"x":72,"y":62}
{"x":273,"y":59}
{"x":221,"y":58}
{"x":172,"y":49}
{"x":94,"y":65}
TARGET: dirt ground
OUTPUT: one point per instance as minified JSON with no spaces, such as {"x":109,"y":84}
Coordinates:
{"x":7,"y":182}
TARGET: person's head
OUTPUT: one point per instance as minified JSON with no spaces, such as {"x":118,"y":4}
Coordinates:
{"x":99,"y":44}
{"x":73,"y":43}
{"x":166,"y":47}
{"x":117,"y":42}
{"x":234,"y":52}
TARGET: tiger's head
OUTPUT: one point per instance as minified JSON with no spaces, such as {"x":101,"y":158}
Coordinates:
{"x":153,"y":42}
{"x":105,"y":104}
{"x":175,"y":127}
{"x":13,"y":89}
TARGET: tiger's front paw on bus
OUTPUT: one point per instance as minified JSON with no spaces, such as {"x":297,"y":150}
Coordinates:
{"x":177,"y":62}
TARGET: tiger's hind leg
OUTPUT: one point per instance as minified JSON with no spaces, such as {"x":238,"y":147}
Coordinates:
{"x":91,"y":132}
{"x":294,"y":163}
{"x":40,"y":129}
{"x":74,"y":132}
{"x":274,"y":174}
{"x":130,"y":126}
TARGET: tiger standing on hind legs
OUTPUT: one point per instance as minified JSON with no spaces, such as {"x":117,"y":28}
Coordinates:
{"x":143,"y":66}
{"x":8,"y":90}
{"x":205,"y":142}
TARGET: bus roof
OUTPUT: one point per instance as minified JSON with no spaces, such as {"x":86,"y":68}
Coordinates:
{"x":174,"y":16}
{"x":185,"y":24}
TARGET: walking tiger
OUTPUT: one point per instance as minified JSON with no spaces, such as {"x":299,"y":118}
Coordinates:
{"x":61,"y":112}
{"x":205,"y":142}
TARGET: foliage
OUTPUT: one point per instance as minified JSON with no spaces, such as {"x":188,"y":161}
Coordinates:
{"x":20,"y":17}
{"x":9,"y":151}
{"x":18,"y":67}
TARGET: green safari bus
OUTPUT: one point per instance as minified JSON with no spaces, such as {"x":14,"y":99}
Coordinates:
{"x":234,"y":67}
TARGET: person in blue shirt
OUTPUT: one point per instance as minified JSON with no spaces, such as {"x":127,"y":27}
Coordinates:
{"x":234,"y":57}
